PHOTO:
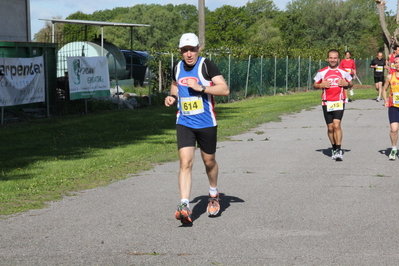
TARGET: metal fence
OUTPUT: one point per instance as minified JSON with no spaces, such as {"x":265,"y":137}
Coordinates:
{"x":270,"y":76}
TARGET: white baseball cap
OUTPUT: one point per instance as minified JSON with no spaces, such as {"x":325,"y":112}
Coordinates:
{"x":188,"y":39}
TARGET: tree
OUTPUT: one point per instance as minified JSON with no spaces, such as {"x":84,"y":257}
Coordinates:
{"x":263,"y":33}
{"x":167,"y":24}
{"x":306,"y":27}
{"x":109,"y":15}
{"x":389,"y":39}
{"x":74,"y":32}
{"x":258,"y":9}
{"x":227,"y":26}
{"x":189,"y":15}
{"x":346,"y":23}
{"x":262,"y":30}
{"x":294,"y":23}
{"x":45,"y":33}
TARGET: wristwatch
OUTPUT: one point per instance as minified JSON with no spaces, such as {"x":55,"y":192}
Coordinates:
{"x":203,"y":89}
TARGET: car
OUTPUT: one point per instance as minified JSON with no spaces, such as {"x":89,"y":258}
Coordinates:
{"x":138,"y":62}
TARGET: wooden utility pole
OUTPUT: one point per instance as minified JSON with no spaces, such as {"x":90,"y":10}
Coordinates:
{"x":201,"y":22}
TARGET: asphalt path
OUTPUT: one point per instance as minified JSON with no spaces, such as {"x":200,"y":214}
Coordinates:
{"x":284,"y":202}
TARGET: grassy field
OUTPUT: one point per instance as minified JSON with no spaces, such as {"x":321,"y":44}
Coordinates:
{"x":46,"y":159}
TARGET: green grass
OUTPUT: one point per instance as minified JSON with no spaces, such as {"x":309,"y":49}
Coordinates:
{"x":45,"y":159}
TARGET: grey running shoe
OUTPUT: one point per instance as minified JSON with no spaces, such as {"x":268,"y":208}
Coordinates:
{"x":334,"y":155}
{"x":338,"y":155}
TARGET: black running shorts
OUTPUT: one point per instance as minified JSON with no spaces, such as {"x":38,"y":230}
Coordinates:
{"x":379,"y":79}
{"x":205,"y":138}
{"x":330,"y":116}
{"x":393,"y":114}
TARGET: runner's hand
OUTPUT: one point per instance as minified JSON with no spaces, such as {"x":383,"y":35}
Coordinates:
{"x":193,"y":84}
{"x":169,"y":101}
{"x":342,"y":83}
{"x":325,"y":84}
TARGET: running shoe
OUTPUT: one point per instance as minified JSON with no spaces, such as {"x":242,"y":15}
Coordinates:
{"x":377,"y":100}
{"x":338,"y":155}
{"x":334,"y":155}
{"x":183,"y":214}
{"x":392,"y":156}
{"x":213,"y":205}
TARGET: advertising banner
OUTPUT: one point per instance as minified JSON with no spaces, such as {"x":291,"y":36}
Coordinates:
{"x":21,"y":81}
{"x":88,"y":77}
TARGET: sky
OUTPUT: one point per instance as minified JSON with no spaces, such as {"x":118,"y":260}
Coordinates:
{"x":48,"y":9}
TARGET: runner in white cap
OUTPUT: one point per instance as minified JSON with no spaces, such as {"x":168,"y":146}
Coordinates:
{"x":196,"y":81}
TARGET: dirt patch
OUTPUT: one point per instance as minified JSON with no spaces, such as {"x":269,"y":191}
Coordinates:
{"x":358,"y":86}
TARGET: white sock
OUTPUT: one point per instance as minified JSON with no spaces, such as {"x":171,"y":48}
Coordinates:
{"x":394,"y":148}
{"x":213,"y":191}
{"x":185,"y":201}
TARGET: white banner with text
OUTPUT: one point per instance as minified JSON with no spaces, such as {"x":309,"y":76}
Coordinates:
{"x":21,"y":81}
{"x":88,"y":77}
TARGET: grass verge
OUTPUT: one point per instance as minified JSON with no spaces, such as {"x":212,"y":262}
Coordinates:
{"x":46,"y":159}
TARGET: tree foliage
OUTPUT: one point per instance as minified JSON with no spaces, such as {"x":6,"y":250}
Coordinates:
{"x":76,"y":32}
{"x":45,"y":33}
{"x":227,"y":26}
{"x":332,"y":23}
{"x":308,"y":27}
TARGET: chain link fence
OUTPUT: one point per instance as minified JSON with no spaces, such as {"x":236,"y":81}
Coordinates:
{"x":271,"y":76}
{"x":254,"y":77}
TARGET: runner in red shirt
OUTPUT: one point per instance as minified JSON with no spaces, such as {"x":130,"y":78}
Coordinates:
{"x":349,"y":65}
{"x":333,"y":80}
{"x":390,"y":61}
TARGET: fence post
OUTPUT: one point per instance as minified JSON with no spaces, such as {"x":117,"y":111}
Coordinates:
{"x":286,"y":74}
{"x":299,"y":73}
{"x":246,"y":85}
{"x":261,"y":76}
{"x":171,"y":64}
{"x":46,"y":92}
{"x":2,"y":108}
{"x":160,"y":76}
{"x":117,"y":81}
{"x":275,"y":74}
{"x":309,"y":74}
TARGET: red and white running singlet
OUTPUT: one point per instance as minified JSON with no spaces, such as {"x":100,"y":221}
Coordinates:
{"x":335,"y":92}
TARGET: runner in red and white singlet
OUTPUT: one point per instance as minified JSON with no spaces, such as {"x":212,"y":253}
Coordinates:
{"x":391,"y":60}
{"x":333,"y":80}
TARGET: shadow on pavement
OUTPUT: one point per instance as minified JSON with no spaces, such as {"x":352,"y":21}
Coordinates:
{"x":386,"y":152}
{"x":200,"y":207}
{"x":328,"y":152}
